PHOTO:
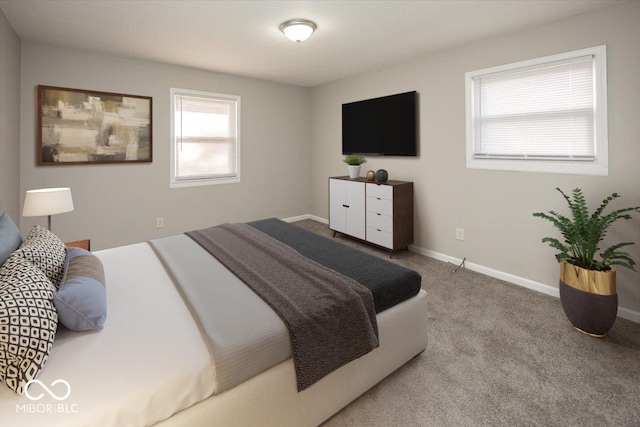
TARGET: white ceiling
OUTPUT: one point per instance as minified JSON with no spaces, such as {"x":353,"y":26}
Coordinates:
{"x":242,"y":37}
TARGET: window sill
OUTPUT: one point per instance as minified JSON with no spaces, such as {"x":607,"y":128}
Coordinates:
{"x":202,"y":182}
{"x":541,"y":166}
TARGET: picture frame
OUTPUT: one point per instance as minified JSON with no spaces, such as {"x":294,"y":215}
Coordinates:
{"x":77,"y":126}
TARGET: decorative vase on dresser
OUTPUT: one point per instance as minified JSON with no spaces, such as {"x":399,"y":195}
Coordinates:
{"x":354,"y":171}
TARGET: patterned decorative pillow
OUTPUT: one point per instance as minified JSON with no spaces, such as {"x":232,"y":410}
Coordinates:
{"x":46,"y":251}
{"x":28,"y":322}
{"x":81,"y":300}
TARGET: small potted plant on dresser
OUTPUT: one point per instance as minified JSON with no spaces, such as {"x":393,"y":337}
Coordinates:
{"x":354,"y":161}
{"x":587,"y":285}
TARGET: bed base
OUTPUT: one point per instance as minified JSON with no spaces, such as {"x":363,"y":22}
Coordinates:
{"x":271,"y":398}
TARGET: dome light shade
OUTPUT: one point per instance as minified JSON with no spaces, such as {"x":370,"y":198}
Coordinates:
{"x":298,"y":30}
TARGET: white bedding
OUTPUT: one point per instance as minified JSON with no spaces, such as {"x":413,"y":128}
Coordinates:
{"x":246,"y":336}
{"x":152,"y":362}
{"x":271,"y":400}
{"x":150,"y":356}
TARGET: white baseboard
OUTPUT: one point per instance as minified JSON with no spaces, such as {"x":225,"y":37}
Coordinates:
{"x":306,"y":216}
{"x":516,"y":280}
{"x":297,"y":218}
{"x":625,"y":313}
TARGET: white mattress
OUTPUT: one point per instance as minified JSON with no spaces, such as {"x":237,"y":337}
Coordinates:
{"x":270,"y":399}
{"x":150,"y":356}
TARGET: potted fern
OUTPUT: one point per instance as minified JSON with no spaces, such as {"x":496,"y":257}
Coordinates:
{"x":354,"y":161}
{"x":588,"y":285}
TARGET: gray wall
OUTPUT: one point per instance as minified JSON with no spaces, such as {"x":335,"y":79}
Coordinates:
{"x":119,"y":204}
{"x":283,"y":174}
{"x":9,"y":120}
{"x":494,"y":208}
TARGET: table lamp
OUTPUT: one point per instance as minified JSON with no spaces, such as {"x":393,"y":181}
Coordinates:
{"x":47,"y":201}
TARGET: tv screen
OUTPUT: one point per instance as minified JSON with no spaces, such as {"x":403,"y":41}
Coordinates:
{"x":385,"y":126}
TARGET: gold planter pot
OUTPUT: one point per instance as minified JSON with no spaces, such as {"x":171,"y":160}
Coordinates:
{"x":589,"y":298}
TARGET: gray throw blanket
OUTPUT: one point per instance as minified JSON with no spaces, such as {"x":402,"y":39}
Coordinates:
{"x":330,"y":317}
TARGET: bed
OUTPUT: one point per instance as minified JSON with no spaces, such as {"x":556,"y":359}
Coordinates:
{"x":153,"y":364}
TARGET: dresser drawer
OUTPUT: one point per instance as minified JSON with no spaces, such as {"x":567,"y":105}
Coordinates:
{"x":381,"y":206}
{"x":380,"y":191}
{"x":379,"y":237}
{"x":380,"y":221}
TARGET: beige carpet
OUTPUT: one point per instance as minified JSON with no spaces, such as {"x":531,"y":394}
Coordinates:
{"x":500,"y":355}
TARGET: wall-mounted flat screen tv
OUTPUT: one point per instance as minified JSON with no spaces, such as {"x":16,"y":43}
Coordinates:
{"x":385,"y":126}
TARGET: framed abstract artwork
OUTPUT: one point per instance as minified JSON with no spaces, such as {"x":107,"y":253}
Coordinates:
{"x":78,"y":126}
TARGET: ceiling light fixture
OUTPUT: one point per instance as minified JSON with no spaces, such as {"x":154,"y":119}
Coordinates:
{"x":298,"y":30}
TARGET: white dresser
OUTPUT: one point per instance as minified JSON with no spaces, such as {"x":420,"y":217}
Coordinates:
{"x":346,"y":207}
{"x":379,"y":213}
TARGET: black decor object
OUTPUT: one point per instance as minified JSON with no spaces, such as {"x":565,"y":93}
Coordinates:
{"x":382,"y":175}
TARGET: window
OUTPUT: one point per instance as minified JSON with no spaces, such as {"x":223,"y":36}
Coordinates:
{"x":544,"y":115}
{"x":205,"y":138}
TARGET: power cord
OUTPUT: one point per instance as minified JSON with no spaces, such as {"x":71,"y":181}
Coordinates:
{"x":460,"y":266}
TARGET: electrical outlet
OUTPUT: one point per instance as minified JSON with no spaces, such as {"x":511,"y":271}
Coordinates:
{"x":459,"y":234}
{"x":159,"y":222}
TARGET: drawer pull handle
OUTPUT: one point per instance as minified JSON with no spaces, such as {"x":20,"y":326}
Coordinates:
{"x":378,"y":198}
{"x":345,"y":206}
{"x":378,"y":229}
{"x":379,"y":214}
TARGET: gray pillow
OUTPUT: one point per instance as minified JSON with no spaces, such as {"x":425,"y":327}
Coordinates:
{"x":81,"y":299}
{"x":10,"y":238}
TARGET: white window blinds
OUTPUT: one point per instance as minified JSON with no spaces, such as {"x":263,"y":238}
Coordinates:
{"x":545,"y":111}
{"x":549,"y":109}
{"x":205,"y":136}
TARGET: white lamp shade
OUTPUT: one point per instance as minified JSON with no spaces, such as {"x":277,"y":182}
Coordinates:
{"x":47,"y":201}
{"x":298,"y":30}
